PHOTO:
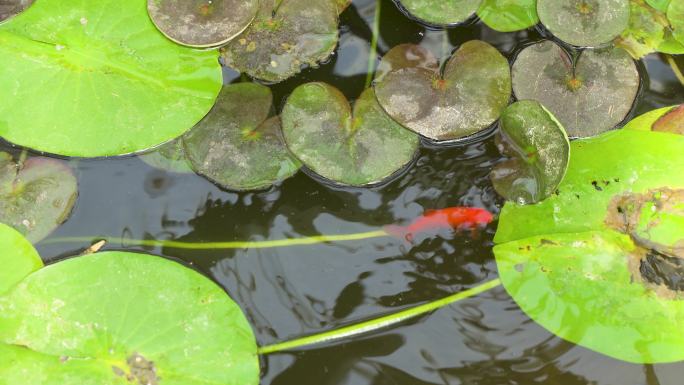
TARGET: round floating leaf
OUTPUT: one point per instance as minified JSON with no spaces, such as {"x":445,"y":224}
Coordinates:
{"x":600,"y":263}
{"x":9,"y":8}
{"x":169,"y":157}
{"x":286,"y":35}
{"x":406,"y":56}
{"x":202,"y":23}
{"x":355,"y":149}
{"x":585,"y":23}
{"x":441,"y":12}
{"x":540,"y":152}
{"x":588,"y":98}
{"x":36,"y":196}
{"x":18,"y":258}
{"x":122,"y":318}
{"x":237,"y":145}
{"x":116,"y":85}
{"x":468,"y":98}
{"x":675,"y":13}
{"x":509,"y":15}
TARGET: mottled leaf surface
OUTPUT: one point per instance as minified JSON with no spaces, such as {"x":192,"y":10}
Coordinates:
{"x":120,"y":318}
{"x":470,"y":95}
{"x":588,"y":97}
{"x":508,"y":15}
{"x":441,"y":12}
{"x":539,"y":150}
{"x":18,"y":258}
{"x":169,"y":157}
{"x":675,"y":13}
{"x":360,"y":148}
{"x":9,"y":8}
{"x":406,"y":56}
{"x":647,"y":30}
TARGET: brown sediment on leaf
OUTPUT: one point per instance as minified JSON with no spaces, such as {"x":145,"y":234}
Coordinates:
{"x":140,"y":371}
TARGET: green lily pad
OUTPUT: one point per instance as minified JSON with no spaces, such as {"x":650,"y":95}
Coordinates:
{"x":360,"y":148}
{"x":406,"y":56}
{"x":441,"y":12}
{"x":285,"y":36}
{"x":585,"y":23}
{"x":169,"y":157}
{"x":588,"y":98}
{"x":237,"y":145}
{"x":672,"y":122}
{"x":675,"y":13}
{"x":122,"y":318}
{"x":508,"y":15}
{"x":116,"y":84}
{"x":646,"y":32}
{"x":10,"y":8}
{"x":469,"y":97}
{"x":660,"y":5}
{"x":646,"y":121}
{"x":18,"y":258}
{"x":599,"y":263}
{"x":540,"y":152}
{"x":202,"y":23}
{"x":36,"y":196}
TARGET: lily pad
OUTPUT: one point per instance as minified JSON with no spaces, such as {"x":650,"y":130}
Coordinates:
{"x":116,"y":84}
{"x":660,"y":5}
{"x":360,"y":148}
{"x":238,"y":145}
{"x":587,"y":262}
{"x":202,"y":23}
{"x":508,"y":15}
{"x":469,"y":97}
{"x":441,"y":12}
{"x":18,"y":258}
{"x":285,"y":36}
{"x":675,"y":13}
{"x":36,"y":196}
{"x":122,"y":318}
{"x":540,"y":152}
{"x":672,"y":121}
{"x":169,"y":157}
{"x":406,"y":56}
{"x":646,"y":121}
{"x":585,"y":23}
{"x":589,"y":97}
{"x":646,"y":32}
{"x":9,"y":8}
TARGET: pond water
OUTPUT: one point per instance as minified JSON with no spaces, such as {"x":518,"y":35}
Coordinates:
{"x":291,"y":292}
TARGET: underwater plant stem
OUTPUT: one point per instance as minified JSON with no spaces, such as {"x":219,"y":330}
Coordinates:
{"x":378,"y":323}
{"x":675,"y":69}
{"x":372,"y":55}
{"x":224,"y":245}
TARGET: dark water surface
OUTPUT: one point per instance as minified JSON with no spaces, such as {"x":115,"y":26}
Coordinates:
{"x":290,"y":292}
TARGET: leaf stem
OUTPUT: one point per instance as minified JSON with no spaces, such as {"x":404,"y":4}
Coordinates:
{"x":378,"y":323}
{"x":675,"y":68}
{"x":372,"y":56}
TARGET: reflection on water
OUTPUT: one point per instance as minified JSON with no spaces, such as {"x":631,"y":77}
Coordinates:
{"x":301,"y":290}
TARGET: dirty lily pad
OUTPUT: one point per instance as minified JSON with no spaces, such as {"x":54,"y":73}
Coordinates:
{"x":406,"y":56}
{"x":285,"y":36}
{"x":360,"y":148}
{"x":440,"y":12}
{"x":122,"y":318}
{"x":601,"y":262}
{"x":36,"y":196}
{"x":116,"y":84}
{"x":647,"y":30}
{"x":508,"y":15}
{"x":9,"y":8}
{"x":468,"y":97}
{"x":238,"y":145}
{"x":202,"y":23}
{"x":18,"y":258}
{"x":169,"y":157}
{"x":589,"y":97}
{"x":539,"y":149}
{"x":585,"y":23}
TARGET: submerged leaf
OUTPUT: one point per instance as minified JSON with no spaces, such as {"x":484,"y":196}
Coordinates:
{"x":202,"y":23}
{"x":36,"y":196}
{"x":589,"y":97}
{"x":360,"y":148}
{"x":237,"y":145}
{"x":169,"y":157}
{"x":285,"y":36}
{"x":540,"y":152}
{"x":585,"y":23}
{"x":469,"y":97}
{"x":9,"y":8}
{"x":441,"y":12}
{"x":122,"y":318}
{"x":509,"y":15}
{"x":116,"y":85}
{"x":18,"y":258}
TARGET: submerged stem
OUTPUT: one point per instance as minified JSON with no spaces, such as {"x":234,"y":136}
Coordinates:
{"x":378,"y":323}
{"x":676,"y":69}
{"x":372,"y":55}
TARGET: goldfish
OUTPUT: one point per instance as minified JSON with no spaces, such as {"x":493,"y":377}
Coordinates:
{"x":457,"y":218}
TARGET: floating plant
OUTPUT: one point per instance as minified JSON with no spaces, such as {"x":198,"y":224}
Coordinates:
{"x":202,"y":23}
{"x":116,"y":84}
{"x":585,"y":23}
{"x":356,"y":148}
{"x":36,"y":195}
{"x":508,"y":15}
{"x":588,"y":97}
{"x":599,"y":263}
{"x":406,"y":56}
{"x":468,"y":97}
{"x":10,"y":8}
{"x":18,"y":258}
{"x":667,"y":119}
{"x":539,"y":150}
{"x":440,"y":12}
{"x":675,"y":13}
{"x":660,"y":5}
{"x":169,"y":157}
{"x":285,"y":36}
{"x":238,"y":144}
